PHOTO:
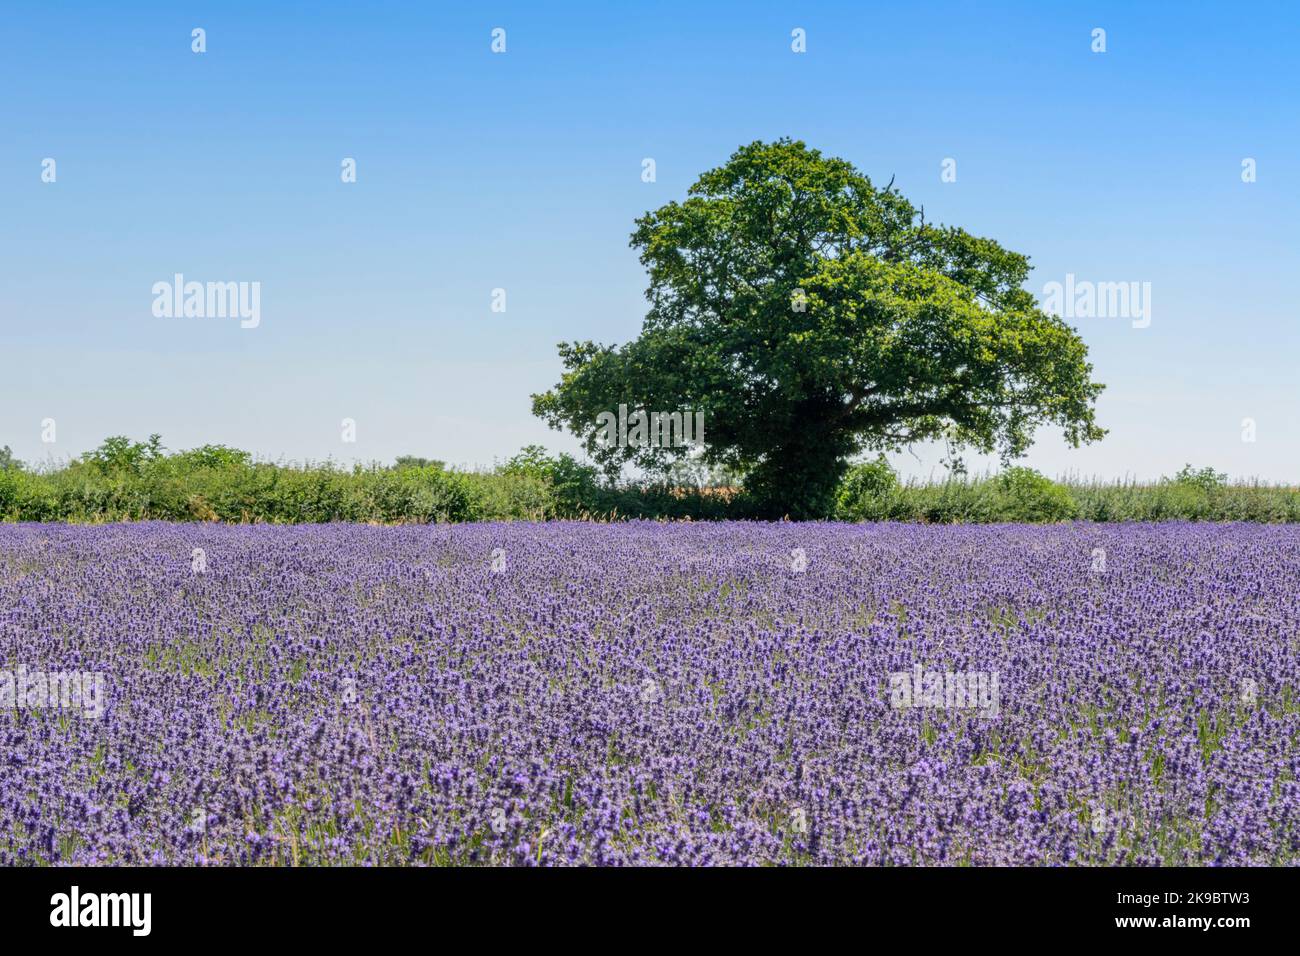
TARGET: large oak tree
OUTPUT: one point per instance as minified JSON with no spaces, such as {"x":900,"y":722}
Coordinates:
{"x":811,"y":315}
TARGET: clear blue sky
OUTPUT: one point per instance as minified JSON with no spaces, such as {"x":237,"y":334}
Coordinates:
{"x":523,"y":171}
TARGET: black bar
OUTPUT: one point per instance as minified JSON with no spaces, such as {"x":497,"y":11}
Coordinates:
{"x":221,"y":905}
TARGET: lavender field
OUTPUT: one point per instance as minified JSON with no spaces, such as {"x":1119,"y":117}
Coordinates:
{"x":650,"y":694}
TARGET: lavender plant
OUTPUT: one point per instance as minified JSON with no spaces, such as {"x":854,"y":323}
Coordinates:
{"x":653,"y":694}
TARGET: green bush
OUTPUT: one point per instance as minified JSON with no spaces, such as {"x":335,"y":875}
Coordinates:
{"x":1022,"y":494}
{"x":8,"y":490}
{"x":575,"y":487}
{"x":868,"y":492}
{"x":124,"y":480}
{"x":871,"y":492}
{"x":499,"y":497}
{"x":1206,"y":480}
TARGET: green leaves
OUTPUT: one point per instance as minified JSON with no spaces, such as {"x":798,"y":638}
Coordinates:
{"x":809,"y":315}
{"x":118,"y":453}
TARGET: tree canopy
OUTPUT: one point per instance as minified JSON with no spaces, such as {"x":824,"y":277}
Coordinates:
{"x":810,"y":316}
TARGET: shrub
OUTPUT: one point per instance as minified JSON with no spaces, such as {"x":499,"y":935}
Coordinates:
{"x":575,"y":487}
{"x":119,"y":454}
{"x":210,"y":456}
{"x":513,"y":497}
{"x":123,"y":480}
{"x":1022,"y":494}
{"x":867,"y":492}
{"x":1205,"y":479}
